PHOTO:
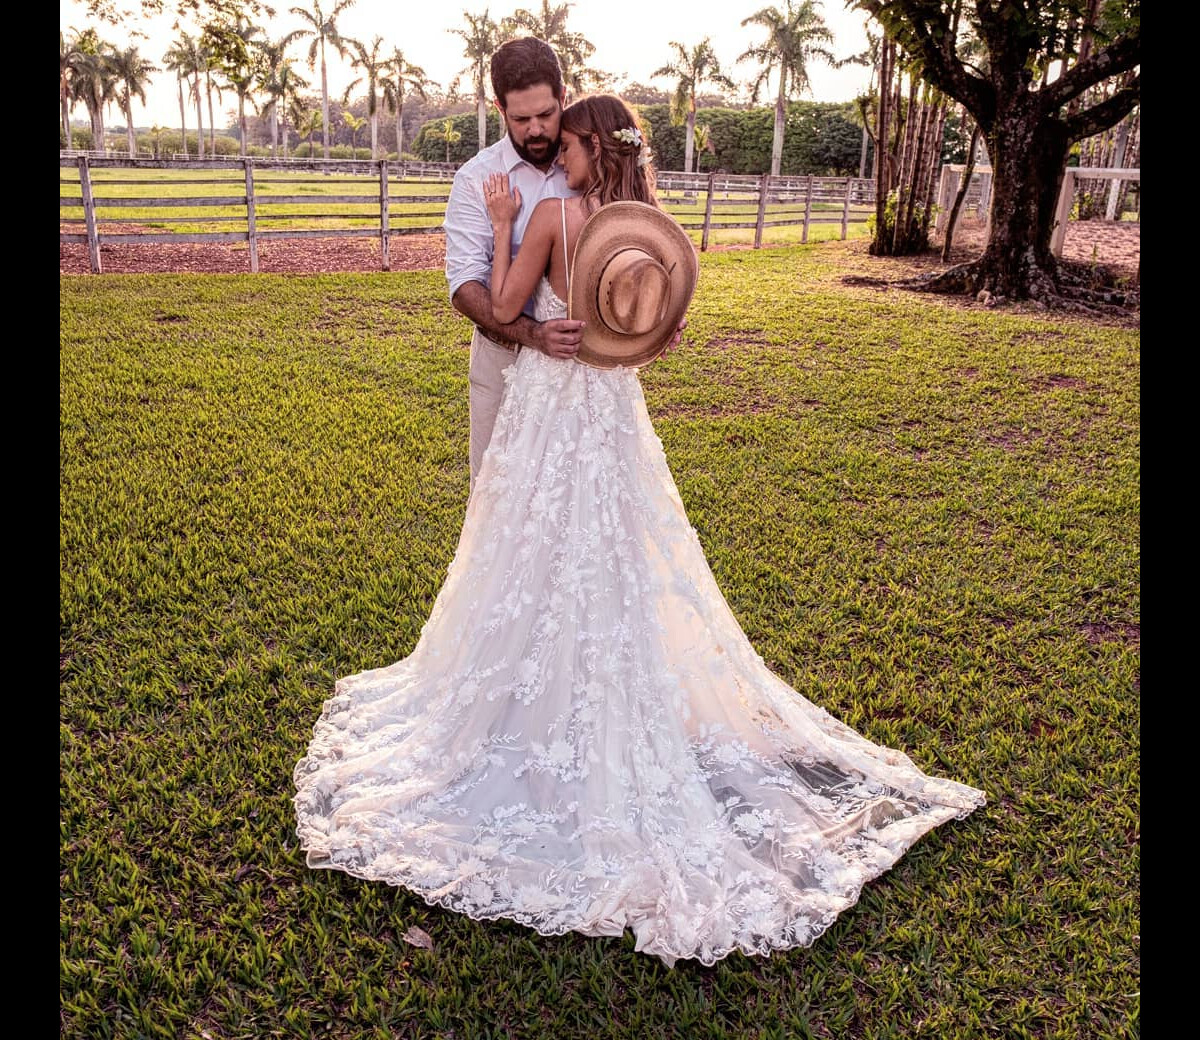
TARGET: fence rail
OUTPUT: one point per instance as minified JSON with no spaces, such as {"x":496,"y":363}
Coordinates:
{"x":392,"y":198}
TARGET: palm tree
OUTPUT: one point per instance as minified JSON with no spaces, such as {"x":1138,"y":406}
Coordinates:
{"x":399,"y":78}
{"x":232,"y":46}
{"x":133,"y":72}
{"x":308,"y":119}
{"x":270,"y":59}
{"x":323,"y":30}
{"x":93,"y":81}
{"x":354,"y":124}
{"x":178,"y":61}
{"x":449,"y":135}
{"x":70,"y":56}
{"x":794,"y":37}
{"x":209,"y":65}
{"x":189,"y":60}
{"x":691,"y":69}
{"x":482,"y":37}
{"x":573,"y":50}
{"x":373,"y":68}
{"x":290,"y":83}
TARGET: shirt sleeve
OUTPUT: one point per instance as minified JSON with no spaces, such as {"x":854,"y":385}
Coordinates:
{"x":469,"y":241}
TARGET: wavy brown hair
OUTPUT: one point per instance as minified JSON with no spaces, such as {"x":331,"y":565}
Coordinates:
{"x":616,"y":174}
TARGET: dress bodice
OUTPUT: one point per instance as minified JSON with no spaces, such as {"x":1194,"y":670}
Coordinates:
{"x":546,"y":304}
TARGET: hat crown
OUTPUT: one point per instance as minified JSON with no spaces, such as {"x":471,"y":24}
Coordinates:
{"x":634,"y":292}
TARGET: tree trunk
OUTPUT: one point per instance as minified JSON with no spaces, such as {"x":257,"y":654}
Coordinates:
{"x":375,"y":134}
{"x":182,"y":121}
{"x":212,"y":123}
{"x":1029,"y":160}
{"x":199,"y":118}
{"x":129,"y":138}
{"x":324,"y":106}
{"x":689,"y":142}
{"x":399,"y":128}
{"x":904,"y":179}
{"x":962,"y":194}
{"x":882,"y":183}
{"x":66,"y":118}
{"x":242,"y":122}
{"x":481,"y":108}
{"x":780,"y":116}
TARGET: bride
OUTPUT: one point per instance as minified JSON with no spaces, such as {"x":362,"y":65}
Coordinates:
{"x":583,"y":738}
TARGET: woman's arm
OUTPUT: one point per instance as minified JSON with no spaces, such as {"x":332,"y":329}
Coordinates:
{"x":513,"y":280}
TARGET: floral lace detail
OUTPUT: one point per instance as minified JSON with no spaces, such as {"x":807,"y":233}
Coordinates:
{"x":583,"y":738}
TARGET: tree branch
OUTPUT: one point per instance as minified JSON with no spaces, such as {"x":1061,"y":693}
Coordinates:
{"x":1119,"y":56}
{"x":923,"y":30}
{"x":1108,"y":113}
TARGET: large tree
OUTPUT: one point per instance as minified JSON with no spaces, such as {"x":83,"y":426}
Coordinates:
{"x":232,"y":47}
{"x":323,"y":29}
{"x":482,"y":36}
{"x":795,"y":36}
{"x":70,"y":58}
{"x":690,"y":69}
{"x":1029,"y":121}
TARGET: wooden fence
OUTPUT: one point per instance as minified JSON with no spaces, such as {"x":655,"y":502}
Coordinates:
{"x":979,"y":195}
{"x":391,"y":198}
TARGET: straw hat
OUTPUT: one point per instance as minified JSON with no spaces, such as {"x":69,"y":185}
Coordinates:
{"x":632,"y":278}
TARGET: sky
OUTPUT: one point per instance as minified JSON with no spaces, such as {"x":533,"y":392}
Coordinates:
{"x":632,"y":39}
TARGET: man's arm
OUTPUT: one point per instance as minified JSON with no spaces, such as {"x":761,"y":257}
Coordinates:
{"x":558,"y":337}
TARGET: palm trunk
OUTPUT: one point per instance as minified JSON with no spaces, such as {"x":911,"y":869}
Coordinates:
{"x":212,"y":123}
{"x":324,"y":106}
{"x":780,"y":114}
{"x":399,"y":128}
{"x":242,"y":123}
{"x":903,"y":183}
{"x":199,"y":119}
{"x":689,"y":143}
{"x":129,"y":138}
{"x":375,"y":134}
{"x":182,"y":120}
{"x":481,"y":102}
{"x":66,"y":118}
{"x":882,"y":180}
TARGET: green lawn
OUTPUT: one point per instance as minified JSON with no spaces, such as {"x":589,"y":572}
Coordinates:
{"x":925,"y":516}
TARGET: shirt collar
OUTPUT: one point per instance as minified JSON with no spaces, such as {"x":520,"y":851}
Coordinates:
{"x":510,"y":158}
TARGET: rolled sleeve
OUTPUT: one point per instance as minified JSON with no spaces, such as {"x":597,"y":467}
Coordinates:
{"x":469,"y":241}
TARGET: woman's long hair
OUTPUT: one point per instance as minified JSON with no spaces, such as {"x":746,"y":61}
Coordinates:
{"x":622,"y":171}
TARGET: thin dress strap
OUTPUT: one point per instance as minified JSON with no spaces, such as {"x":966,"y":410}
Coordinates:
{"x":566,"y":265}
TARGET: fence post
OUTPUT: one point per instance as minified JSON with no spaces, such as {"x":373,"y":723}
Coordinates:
{"x":763,"y":185}
{"x":1066,"y":197}
{"x":708,"y":203}
{"x":846,"y":209}
{"x":384,"y":227}
{"x":251,"y":216}
{"x":89,"y":215}
{"x":808,"y":188}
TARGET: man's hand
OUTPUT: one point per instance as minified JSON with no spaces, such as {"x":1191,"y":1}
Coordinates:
{"x":676,"y":338}
{"x":559,"y":337}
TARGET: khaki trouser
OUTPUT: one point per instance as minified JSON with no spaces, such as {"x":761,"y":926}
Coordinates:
{"x":486,"y":378}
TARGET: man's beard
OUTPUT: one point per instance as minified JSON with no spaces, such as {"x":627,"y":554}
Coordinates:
{"x":544,"y":159}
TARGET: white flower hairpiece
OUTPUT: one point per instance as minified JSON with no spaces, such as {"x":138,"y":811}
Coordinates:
{"x":632,"y":135}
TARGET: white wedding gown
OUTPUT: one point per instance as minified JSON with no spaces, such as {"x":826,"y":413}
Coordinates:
{"x":583,"y":738}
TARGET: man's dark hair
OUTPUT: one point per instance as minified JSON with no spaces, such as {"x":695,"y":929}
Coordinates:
{"x":524,"y":63}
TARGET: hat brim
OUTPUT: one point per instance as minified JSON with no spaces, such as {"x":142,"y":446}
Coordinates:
{"x":612,"y":228}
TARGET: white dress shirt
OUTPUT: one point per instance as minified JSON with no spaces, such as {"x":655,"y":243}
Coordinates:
{"x":469,"y":241}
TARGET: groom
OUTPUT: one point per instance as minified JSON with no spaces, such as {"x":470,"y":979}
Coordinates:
{"x":528,"y":87}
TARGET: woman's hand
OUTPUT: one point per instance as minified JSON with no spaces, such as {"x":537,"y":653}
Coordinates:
{"x":502,"y":206}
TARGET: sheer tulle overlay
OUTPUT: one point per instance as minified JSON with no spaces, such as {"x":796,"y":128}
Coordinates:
{"x":583,"y":738}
